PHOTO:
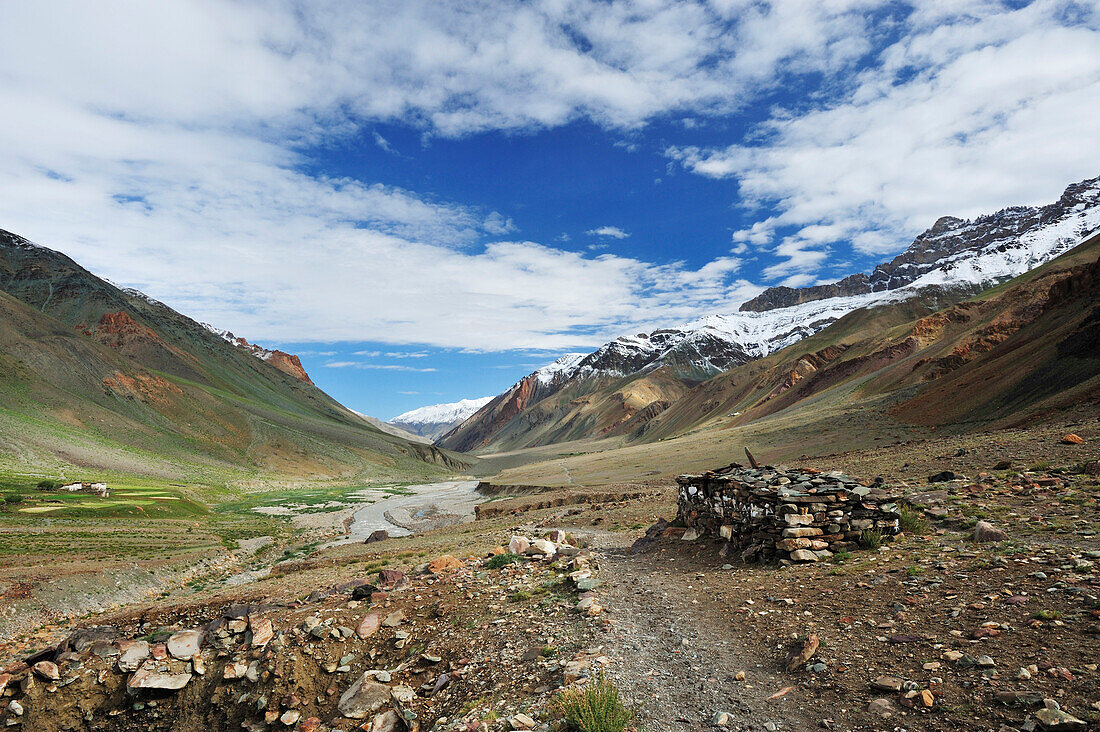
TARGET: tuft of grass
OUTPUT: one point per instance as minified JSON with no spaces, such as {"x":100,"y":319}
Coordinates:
{"x":912,"y":521}
{"x":501,"y":560}
{"x":841,"y":557}
{"x":596,"y":707}
{"x":1047,"y":615}
{"x":871,"y":539}
{"x":914,"y":571}
{"x":519,"y":596}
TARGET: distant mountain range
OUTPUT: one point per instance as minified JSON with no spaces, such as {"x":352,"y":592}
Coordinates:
{"x":434,"y":421}
{"x":629,"y":381}
{"x":99,"y":377}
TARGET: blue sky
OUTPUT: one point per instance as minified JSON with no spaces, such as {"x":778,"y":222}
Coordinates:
{"x":428,"y":200}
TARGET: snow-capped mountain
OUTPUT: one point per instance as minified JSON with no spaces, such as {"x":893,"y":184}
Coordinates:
{"x":954,"y":258}
{"x":954,"y":255}
{"x":436,"y":419}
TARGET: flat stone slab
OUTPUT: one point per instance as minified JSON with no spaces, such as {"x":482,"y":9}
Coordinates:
{"x":133,"y":653}
{"x":363,"y":698}
{"x":369,"y":625}
{"x":150,"y":678}
{"x":184,"y":644}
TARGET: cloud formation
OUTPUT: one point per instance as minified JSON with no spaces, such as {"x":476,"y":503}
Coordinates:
{"x":608,"y":232}
{"x":972,"y":107}
{"x":166,"y":146}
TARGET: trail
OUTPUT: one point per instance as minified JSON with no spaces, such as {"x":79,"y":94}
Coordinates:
{"x":676,"y":650}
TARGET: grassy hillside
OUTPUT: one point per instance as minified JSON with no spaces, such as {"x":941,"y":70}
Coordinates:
{"x":100,"y":379}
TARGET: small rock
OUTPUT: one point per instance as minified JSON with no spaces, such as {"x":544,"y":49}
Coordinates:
{"x":369,"y":625}
{"x":15,"y":708}
{"x":363,"y":698}
{"x":1059,"y":720}
{"x":262,"y":631}
{"x":721,"y":719}
{"x":394,"y":619}
{"x":290,"y":717}
{"x":184,"y":644}
{"x":444,"y":564}
{"x":519,"y":544}
{"x":522,"y":721}
{"x":47,"y":670}
{"x":149,"y":678}
{"x":1072,"y":439}
{"x":379,"y":535}
{"x":887,"y":683}
{"x":881,"y":708}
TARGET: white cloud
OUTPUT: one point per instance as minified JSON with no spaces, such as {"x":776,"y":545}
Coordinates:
{"x":610,"y":232}
{"x":976,"y":106}
{"x":161,"y":145}
{"x":375,"y":366}
{"x":384,"y":144}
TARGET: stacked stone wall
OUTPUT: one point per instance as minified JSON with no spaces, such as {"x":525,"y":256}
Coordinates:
{"x":785,"y":514}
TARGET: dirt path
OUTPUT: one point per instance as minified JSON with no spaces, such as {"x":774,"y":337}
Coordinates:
{"x":676,"y":651}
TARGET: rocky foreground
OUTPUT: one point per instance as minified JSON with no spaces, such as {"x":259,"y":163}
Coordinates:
{"x":982,"y":614}
{"x":457,"y":642}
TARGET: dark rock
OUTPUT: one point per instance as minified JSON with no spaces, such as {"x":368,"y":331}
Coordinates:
{"x":942,"y":477}
{"x":363,"y":592}
{"x":379,"y":535}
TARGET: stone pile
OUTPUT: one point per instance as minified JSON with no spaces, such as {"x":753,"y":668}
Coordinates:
{"x":786,"y":514}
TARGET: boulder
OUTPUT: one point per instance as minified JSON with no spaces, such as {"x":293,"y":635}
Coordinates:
{"x":1072,"y":439}
{"x":985,"y":532}
{"x":379,"y":535}
{"x":518,"y":544}
{"x":387,"y":721}
{"x":803,"y":555}
{"x":542,"y":546}
{"x":363,"y":698}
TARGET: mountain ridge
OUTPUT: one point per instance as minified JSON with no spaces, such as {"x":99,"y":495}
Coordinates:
{"x":952,"y":260}
{"x":153,"y":390}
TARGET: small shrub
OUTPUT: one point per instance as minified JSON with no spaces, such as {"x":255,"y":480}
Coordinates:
{"x":914,"y":571}
{"x":12,"y":498}
{"x":594,"y":708}
{"x":548,"y":651}
{"x":1047,"y":615}
{"x":519,"y":596}
{"x":912,"y":521}
{"x":841,"y":557}
{"x":871,"y":539}
{"x":501,"y":560}
{"x":49,"y":485}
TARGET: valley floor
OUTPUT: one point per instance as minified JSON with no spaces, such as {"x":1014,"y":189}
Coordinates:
{"x":684,"y":635}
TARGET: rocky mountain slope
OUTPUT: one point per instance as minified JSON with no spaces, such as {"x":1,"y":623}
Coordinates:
{"x":105,"y":378}
{"x":288,"y":363}
{"x":633,"y":378}
{"x":436,"y":420}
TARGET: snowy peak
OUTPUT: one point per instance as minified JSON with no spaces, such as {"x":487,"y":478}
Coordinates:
{"x":437,"y":419}
{"x":954,"y":255}
{"x":443,"y":412}
{"x":966,"y":254}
